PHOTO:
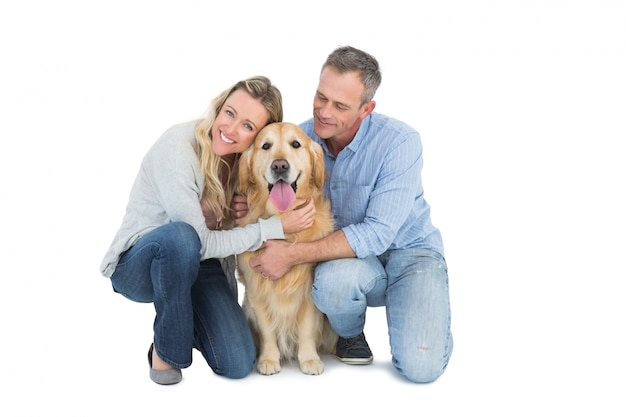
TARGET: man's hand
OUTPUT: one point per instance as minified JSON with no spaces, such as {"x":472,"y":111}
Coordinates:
{"x":275,"y":260}
{"x":279,"y":256}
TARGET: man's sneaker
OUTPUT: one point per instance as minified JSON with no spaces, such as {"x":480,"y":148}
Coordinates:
{"x":354,"y":350}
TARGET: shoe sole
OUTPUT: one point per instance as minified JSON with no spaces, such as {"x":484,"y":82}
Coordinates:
{"x":356,"y":361}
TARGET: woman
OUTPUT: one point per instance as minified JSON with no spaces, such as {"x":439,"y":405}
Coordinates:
{"x":167,"y":249}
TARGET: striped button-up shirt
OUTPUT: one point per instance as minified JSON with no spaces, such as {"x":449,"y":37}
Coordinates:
{"x":375,"y":188}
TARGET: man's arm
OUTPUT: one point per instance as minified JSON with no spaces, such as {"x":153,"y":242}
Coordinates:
{"x":279,"y":256}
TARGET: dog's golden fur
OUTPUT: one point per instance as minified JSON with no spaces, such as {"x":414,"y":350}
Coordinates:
{"x":285,"y":323}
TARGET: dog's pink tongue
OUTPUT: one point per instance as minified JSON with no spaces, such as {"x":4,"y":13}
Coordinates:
{"x":282,"y":195}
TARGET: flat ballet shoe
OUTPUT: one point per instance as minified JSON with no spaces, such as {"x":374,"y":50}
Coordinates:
{"x":166,"y":376}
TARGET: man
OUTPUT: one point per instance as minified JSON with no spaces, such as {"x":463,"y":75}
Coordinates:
{"x":385,"y":251}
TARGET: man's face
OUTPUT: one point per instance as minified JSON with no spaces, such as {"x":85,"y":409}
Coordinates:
{"x":337,"y":109}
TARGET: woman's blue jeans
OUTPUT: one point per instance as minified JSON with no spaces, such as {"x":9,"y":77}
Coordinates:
{"x":195,"y":306}
{"x":413,"y":285}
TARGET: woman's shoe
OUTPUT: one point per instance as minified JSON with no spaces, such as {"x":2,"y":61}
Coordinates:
{"x":166,"y":376}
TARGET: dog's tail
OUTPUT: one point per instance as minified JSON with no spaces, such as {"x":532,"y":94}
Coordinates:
{"x":328,"y":342}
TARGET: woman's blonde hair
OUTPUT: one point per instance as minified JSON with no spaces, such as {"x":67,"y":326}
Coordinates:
{"x":214,"y":194}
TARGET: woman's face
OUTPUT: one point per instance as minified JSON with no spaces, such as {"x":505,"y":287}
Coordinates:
{"x":238,"y":123}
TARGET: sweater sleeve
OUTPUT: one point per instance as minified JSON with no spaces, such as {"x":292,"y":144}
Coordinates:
{"x":223,"y":243}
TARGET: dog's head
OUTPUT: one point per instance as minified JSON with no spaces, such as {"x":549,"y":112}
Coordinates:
{"x":282,"y":164}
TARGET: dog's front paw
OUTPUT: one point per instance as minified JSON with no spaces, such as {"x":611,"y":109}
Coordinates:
{"x":312,"y":367}
{"x":268,"y":367}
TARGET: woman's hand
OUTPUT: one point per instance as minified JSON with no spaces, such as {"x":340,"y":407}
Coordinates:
{"x":210,"y":219}
{"x":300,"y":218}
{"x":239,"y":207}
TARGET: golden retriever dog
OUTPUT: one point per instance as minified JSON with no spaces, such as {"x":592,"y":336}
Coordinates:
{"x":284,"y":164}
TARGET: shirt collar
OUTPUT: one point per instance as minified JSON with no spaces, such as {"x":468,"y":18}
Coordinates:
{"x":359,"y":138}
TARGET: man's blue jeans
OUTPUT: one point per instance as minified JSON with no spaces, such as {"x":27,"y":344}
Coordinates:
{"x":195,"y":307}
{"x":413,"y":285}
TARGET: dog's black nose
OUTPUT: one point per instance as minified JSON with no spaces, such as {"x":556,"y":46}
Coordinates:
{"x":280,"y":166}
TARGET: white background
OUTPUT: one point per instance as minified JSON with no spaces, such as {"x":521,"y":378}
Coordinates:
{"x":521,"y":107}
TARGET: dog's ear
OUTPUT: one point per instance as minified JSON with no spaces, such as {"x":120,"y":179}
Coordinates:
{"x":317,"y":159}
{"x":244,"y":171}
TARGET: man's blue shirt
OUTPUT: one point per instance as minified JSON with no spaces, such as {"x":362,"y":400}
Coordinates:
{"x":375,"y":188}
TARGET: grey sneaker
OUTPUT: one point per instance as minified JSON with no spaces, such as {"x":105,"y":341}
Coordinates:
{"x":354,"y":350}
